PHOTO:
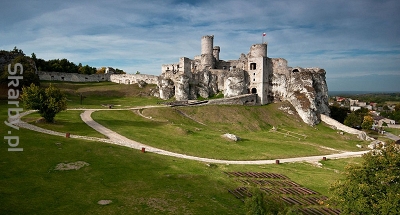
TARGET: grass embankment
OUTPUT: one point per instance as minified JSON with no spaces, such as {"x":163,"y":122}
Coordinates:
{"x":66,"y":121}
{"x":137,"y":183}
{"x":146,"y":183}
{"x":170,"y":130}
{"x":252,"y":123}
{"x":105,"y":93}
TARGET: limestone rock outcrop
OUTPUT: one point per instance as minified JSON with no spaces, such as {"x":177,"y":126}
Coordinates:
{"x":305,"y":89}
{"x":235,"y":84}
{"x":166,"y":88}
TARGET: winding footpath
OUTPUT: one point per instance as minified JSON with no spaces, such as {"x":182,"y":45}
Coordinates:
{"x":117,"y":139}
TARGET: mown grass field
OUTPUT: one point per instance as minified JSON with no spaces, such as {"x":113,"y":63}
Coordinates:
{"x":258,"y":140}
{"x":147,"y":183}
{"x":105,"y":93}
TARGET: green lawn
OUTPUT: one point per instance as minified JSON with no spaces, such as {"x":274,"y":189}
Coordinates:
{"x":66,"y":121}
{"x":104,"y":93}
{"x":395,"y":131}
{"x":137,"y":183}
{"x":147,"y":183}
{"x":192,"y":138}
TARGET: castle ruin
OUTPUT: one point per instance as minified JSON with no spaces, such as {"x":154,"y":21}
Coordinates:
{"x":254,"y":78}
{"x":207,"y":75}
{"x":270,"y":79}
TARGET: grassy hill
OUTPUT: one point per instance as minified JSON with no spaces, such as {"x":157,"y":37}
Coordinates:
{"x":146,"y":183}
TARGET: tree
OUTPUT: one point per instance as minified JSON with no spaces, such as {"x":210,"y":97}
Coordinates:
{"x":352,"y":120}
{"x":367,"y":122}
{"x":102,"y":70}
{"x":372,"y":187}
{"x":48,"y":102}
{"x":338,"y":113}
{"x":29,"y":71}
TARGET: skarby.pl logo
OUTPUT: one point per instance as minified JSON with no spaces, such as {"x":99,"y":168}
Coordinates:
{"x":14,"y":109}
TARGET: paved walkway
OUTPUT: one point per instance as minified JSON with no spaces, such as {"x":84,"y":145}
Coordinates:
{"x":117,"y":139}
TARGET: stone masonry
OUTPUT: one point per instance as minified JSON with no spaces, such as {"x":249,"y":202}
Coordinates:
{"x":270,"y":79}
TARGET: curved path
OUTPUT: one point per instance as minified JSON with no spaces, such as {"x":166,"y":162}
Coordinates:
{"x":117,"y":139}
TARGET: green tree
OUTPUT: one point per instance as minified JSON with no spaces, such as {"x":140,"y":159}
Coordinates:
{"x":372,"y":187}
{"x":29,"y":71}
{"x":48,"y":102}
{"x":353,"y":120}
{"x":339,"y":113}
{"x":367,"y":122}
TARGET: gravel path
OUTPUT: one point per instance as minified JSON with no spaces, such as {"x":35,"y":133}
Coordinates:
{"x":117,"y":139}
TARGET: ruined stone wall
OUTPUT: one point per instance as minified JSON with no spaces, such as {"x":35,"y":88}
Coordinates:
{"x":133,"y":78}
{"x":72,"y":77}
{"x":337,"y":125}
{"x":247,"y":99}
{"x":269,"y":79}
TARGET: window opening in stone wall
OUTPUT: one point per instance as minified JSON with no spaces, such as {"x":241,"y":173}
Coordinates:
{"x":252,"y":66}
{"x":254,"y":79}
{"x":253,"y":90}
{"x":295,"y":70}
{"x":62,"y":78}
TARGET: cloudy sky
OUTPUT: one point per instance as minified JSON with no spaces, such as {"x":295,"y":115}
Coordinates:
{"x":357,"y":42}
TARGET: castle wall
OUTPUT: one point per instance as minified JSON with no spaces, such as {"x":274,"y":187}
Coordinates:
{"x":216,"y":51}
{"x":267,"y":79}
{"x":133,"y":78}
{"x":247,"y":99}
{"x":72,"y":77}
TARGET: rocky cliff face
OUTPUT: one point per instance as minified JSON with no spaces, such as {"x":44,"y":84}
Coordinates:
{"x":305,"y":89}
{"x":235,"y":83}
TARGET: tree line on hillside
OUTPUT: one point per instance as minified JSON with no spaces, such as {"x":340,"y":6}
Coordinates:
{"x":29,"y":69}
{"x":361,"y":117}
{"x":33,"y":64}
{"x":64,"y":65}
{"x":379,"y":98}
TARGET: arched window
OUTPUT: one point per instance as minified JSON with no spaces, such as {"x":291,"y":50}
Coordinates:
{"x":253,"y":90}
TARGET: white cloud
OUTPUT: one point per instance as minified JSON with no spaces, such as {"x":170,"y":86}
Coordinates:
{"x":347,"y":38}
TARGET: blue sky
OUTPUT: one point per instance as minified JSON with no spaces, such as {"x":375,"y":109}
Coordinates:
{"x":357,"y":42}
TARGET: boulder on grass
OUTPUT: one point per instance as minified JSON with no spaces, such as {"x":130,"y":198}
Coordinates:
{"x":231,"y":137}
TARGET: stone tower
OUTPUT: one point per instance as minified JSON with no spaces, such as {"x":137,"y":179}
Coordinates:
{"x":258,"y":72}
{"x":207,"y":57}
{"x":216,"y":51}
